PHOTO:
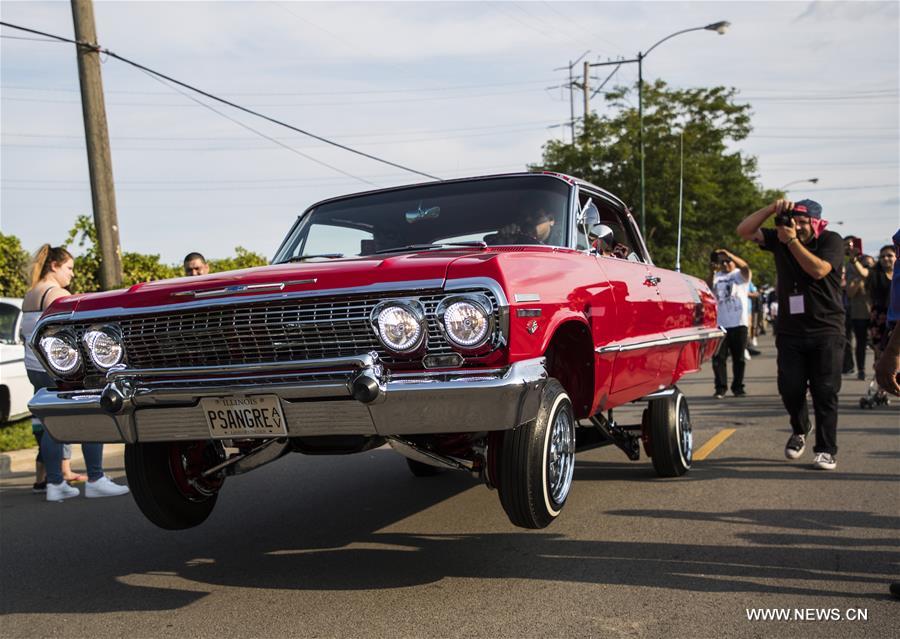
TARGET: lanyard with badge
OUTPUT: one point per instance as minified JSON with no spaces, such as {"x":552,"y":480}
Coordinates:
{"x":796,"y":305}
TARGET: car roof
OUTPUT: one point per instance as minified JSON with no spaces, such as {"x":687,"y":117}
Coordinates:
{"x":12,"y":301}
{"x":574,"y":181}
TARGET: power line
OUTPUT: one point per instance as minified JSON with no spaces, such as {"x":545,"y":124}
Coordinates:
{"x":218,"y":99}
{"x":286,"y":93}
{"x":263,"y":135}
{"x":512,"y":126}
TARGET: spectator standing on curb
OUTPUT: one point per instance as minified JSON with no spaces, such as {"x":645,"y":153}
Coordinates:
{"x":729,"y":280}
{"x":36,"y":300}
{"x":52,"y":272}
{"x":195,"y":264}
{"x":858,"y":303}
{"x":809,"y":331}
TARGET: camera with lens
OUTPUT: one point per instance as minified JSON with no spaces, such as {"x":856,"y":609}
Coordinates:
{"x":784,"y":219}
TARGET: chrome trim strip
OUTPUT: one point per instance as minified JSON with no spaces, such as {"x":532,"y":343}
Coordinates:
{"x":241,"y":288}
{"x":528,"y":297}
{"x":682,"y":335}
{"x":356,"y":361}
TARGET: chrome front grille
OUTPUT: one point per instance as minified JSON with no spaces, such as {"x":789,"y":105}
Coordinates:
{"x":272,"y":331}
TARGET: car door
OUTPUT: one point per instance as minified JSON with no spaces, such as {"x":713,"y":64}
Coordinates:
{"x":624,"y":339}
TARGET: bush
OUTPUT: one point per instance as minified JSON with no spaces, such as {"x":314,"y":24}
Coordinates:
{"x":16,"y":435}
{"x":13,"y":267}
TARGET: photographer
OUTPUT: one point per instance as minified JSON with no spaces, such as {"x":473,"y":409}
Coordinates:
{"x":810,"y":326}
{"x":729,"y":279}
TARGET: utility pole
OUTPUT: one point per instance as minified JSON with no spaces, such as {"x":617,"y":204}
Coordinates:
{"x":587,"y":93}
{"x":97,"y":141}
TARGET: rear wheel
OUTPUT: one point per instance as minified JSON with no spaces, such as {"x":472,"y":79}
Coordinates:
{"x":537,"y":460}
{"x":167,"y":483}
{"x":670,"y":434}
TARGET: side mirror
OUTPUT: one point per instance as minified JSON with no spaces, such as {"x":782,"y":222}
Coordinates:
{"x":603,"y":233}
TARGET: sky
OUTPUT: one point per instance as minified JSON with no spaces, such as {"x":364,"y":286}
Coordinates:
{"x":448,"y":89}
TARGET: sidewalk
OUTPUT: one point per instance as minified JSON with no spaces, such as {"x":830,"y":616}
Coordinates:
{"x":22,"y":461}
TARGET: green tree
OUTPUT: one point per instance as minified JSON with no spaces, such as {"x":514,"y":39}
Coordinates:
{"x":14,"y":262}
{"x":136,"y":267}
{"x":242,"y":259}
{"x":720,"y":183}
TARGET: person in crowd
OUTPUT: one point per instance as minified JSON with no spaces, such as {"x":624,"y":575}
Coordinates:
{"x":52,"y":272}
{"x":753,"y":341}
{"x":729,"y":280}
{"x":809,"y":330}
{"x":878,"y":288}
{"x":195,"y":264}
{"x":887,"y":367}
{"x":31,"y":311}
{"x":858,"y":308}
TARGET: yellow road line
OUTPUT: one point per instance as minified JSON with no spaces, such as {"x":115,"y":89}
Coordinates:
{"x":713,"y":443}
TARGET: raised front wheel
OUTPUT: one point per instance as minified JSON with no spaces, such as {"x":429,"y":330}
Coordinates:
{"x":537,"y":460}
{"x":167,"y":484}
{"x":670,"y":435}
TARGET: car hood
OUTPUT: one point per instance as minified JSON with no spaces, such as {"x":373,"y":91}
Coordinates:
{"x":429,"y":268}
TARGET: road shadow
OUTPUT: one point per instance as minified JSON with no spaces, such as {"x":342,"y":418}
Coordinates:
{"x":327,"y":534}
{"x":721,"y":468}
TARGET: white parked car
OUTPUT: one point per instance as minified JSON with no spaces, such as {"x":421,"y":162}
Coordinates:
{"x":15,"y":389}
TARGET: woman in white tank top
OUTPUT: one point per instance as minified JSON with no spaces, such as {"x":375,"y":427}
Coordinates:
{"x":52,"y":272}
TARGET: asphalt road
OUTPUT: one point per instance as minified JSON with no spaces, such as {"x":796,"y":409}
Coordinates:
{"x":355,"y":546}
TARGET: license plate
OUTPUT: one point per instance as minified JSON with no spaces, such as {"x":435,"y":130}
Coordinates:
{"x":239,"y":417}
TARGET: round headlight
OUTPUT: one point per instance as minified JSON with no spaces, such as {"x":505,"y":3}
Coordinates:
{"x":104,"y":348}
{"x":61,"y":353}
{"x":467,"y":323}
{"x":400,"y":328}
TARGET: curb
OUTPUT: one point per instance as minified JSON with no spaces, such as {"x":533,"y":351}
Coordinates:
{"x":22,"y":461}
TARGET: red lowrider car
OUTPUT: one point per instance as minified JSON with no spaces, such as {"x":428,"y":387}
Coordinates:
{"x":487,"y":324}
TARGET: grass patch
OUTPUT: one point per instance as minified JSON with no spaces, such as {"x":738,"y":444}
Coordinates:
{"x":16,"y":435}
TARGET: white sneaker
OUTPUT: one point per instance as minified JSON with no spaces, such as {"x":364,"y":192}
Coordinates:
{"x":824,"y":461}
{"x":104,"y":487}
{"x":58,"y":492}
{"x":746,"y":355}
{"x":754,"y":342}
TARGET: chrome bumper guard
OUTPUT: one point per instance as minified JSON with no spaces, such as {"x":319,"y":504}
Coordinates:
{"x":339,"y":396}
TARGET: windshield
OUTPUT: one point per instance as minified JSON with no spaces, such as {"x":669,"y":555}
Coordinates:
{"x":9,"y":314}
{"x":496,"y":211}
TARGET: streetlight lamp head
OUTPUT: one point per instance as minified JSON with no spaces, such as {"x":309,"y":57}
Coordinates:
{"x":814,"y":180}
{"x":719,"y":27}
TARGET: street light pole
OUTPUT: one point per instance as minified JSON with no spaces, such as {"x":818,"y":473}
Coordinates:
{"x":720,"y":28}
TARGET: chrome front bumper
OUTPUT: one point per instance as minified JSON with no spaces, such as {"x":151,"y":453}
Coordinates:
{"x":340,"y":396}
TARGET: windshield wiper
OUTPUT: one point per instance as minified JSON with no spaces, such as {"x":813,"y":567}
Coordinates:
{"x":425,"y":247}
{"x":300,"y":258}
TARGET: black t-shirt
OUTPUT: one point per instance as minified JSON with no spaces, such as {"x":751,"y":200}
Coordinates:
{"x":823,"y":308}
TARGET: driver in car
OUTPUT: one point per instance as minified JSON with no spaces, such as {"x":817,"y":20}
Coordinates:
{"x":534,"y":226}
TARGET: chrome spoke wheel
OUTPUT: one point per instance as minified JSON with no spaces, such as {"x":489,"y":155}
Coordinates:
{"x":561,"y":457}
{"x":685,"y":433}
